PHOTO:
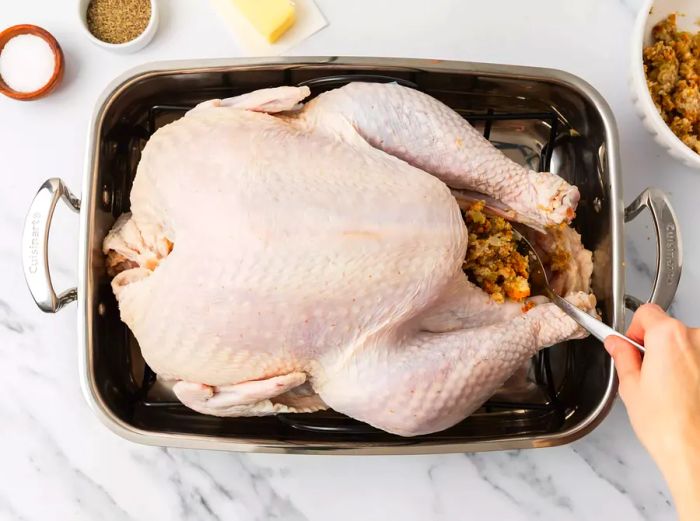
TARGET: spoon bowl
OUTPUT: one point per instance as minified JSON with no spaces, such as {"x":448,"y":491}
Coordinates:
{"x":539,"y":284}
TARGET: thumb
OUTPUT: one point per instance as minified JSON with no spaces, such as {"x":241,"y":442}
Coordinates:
{"x":628,"y":363}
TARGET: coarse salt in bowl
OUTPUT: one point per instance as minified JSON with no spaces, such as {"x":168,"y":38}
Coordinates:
{"x":26,"y":63}
{"x":31,"y":62}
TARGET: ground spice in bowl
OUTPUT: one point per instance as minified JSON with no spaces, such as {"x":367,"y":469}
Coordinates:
{"x":118,"y":21}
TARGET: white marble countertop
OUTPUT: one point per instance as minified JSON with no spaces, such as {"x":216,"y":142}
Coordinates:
{"x":59,"y":462}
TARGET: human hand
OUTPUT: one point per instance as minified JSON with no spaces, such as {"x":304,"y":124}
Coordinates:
{"x":662,"y":396}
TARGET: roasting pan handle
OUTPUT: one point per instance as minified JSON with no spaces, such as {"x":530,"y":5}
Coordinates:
{"x":669,"y":247}
{"x":35,"y":245}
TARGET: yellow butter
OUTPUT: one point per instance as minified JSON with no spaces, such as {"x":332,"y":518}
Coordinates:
{"x":271,"y":18}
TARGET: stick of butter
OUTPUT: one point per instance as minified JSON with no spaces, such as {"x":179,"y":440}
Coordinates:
{"x":271,"y":18}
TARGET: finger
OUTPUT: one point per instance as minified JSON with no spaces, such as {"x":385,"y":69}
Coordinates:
{"x":628,"y":363}
{"x":694,"y":333}
{"x":644,"y":318}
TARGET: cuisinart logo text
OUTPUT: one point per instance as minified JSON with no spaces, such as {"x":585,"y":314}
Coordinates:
{"x":34,"y":244}
{"x":670,"y":260}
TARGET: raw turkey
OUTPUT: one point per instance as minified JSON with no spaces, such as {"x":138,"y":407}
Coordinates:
{"x":288,"y":258}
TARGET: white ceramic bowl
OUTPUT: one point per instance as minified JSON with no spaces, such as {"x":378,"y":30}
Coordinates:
{"x":134,"y":45}
{"x":652,"y":12}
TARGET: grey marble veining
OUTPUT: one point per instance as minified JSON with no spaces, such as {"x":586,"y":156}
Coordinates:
{"x":59,"y":463}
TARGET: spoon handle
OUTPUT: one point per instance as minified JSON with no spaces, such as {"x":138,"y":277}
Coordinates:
{"x":594,"y":326}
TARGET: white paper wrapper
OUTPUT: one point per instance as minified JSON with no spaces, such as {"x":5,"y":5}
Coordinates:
{"x":309,"y":20}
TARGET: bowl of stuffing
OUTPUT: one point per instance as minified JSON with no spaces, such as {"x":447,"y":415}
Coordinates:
{"x":665,"y":78}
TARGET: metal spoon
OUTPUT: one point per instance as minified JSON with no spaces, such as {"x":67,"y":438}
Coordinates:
{"x":540,"y":284}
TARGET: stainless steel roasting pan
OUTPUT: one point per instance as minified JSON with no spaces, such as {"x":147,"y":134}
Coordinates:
{"x":545,"y":118}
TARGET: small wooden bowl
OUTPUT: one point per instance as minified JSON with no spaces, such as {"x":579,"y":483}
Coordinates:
{"x":57,"y":76}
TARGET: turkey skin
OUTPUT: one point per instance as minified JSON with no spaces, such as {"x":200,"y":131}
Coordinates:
{"x":281,"y":257}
